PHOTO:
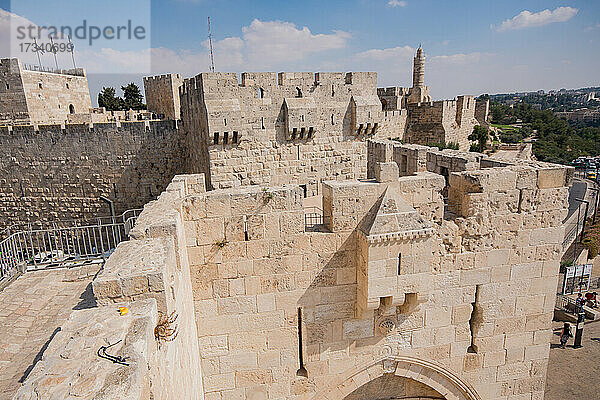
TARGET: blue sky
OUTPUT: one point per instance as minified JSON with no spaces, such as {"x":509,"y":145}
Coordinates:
{"x":472,"y":47}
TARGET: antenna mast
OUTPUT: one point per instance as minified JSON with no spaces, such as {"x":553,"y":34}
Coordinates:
{"x":212,"y":57}
{"x":54,"y":51}
{"x":72,"y":51}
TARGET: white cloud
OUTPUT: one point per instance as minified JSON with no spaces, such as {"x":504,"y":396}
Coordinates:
{"x":460,"y":58}
{"x":387,"y":54}
{"x":527,"y":19}
{"x":397,"y":3}
{"x":8,"y":19}
{"x":593,"y":27}
{"x":272,"y":42}
{"x":263,"y":45}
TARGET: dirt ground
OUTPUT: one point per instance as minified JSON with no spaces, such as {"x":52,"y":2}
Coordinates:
{"x":573,"y":373}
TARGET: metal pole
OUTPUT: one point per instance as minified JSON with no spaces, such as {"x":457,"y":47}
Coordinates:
{"x":576,"y":233}
{"x":111,"y":204}
{"x":596,"y":204}
{"x":72,"y":52}
{"x":54,"y":51}
{"x":579,"y":330}
{"x":212,"y":57}
{"x":37,"y":51}
{"x":587,"y":203}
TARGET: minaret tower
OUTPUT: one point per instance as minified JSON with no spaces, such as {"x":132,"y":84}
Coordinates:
{"x":419,"y":93}
{"x":419,"y":69}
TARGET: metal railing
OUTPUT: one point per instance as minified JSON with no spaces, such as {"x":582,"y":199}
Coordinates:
{"x":39,"y":68}
{"x":67,"y":223}
{"x":576,"y":222}
{"x":68,"y":246}
{"x":572,"y":229}
{"x":565,"y":303}
{"x":314,"y":219}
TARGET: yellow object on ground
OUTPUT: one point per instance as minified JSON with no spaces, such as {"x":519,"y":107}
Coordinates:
{"x":123,"y":310}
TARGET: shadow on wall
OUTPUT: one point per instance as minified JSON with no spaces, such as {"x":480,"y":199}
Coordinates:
{"x":331,"y":298}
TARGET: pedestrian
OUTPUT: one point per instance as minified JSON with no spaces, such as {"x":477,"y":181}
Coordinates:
{"x":591,"y":299}
{"x":579,"y":303}
{"x":565,"y":334}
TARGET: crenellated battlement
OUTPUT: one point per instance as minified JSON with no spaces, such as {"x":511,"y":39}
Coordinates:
{"x":113,"y":127}
{"x":162,"y":77}
{"x":282,"y":79}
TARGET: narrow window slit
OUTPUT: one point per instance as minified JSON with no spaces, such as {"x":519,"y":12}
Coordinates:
{"x":301,"y":371}
{"x":473,"y":323}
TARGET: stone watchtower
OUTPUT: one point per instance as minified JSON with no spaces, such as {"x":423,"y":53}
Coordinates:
{"x":162,"y":95}
{"x":419,"y":93}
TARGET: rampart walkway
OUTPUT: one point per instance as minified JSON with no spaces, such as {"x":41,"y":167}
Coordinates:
{"x":32,"y":309}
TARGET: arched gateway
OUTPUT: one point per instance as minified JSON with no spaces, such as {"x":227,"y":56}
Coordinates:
{"x":397,"y":377}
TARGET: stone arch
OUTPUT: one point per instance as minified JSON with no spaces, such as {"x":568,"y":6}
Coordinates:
{"x":440,"y":379}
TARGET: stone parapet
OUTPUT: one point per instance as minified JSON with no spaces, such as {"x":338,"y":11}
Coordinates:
{"x":72,"y":368}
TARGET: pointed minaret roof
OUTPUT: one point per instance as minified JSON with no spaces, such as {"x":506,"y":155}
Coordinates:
{"x":394,"y":219}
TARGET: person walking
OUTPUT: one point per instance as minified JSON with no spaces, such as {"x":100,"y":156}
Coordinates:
{"x":565,"y":334}
{"x":579,"y":303}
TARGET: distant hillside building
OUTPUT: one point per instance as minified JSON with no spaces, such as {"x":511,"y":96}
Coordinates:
{"x":31,"y":95}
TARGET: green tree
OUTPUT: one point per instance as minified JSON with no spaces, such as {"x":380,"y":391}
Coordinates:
{"x":132,"y":97}
{"x":480,"y":136}
{"x":108,"y":99}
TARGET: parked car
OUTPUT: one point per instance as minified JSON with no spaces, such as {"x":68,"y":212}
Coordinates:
{"x":591,"y":175}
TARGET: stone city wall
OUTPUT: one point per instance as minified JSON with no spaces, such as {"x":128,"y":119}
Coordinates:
{"x":480,"y":310}
{"x":13,"y":104}
{"x":441,"y":121}
{"x":391,"y":297}
{"x":149,"y":275}
{"x":59,"y":172}
{"x":241,"y":134}
{"x":52,"y":97}
{"x":482,"y":110}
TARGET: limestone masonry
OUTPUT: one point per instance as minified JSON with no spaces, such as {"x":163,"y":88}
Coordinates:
{"x":30,"y":96}
{"x":294,"y":251}
{"x":392,"y":293}
{"x":268,"y":129}
{"x":162,"y":95}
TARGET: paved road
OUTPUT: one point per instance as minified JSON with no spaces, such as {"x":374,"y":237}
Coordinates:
{"x":577,"y":191}
{"x":573,"y":373}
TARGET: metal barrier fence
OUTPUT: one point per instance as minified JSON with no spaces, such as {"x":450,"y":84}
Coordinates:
{"x":314,"y":218}
{"x":63,"y":246}
{"x":574,"y":226}
{"x":67,"y":223}
{"x":572,"y":229}
{"x":565,"y":303}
